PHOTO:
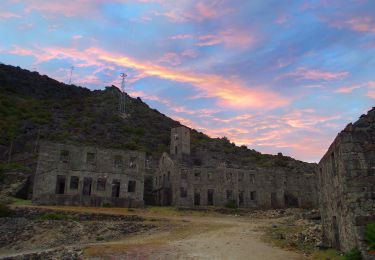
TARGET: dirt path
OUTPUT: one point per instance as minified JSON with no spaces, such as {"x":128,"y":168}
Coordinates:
{"x":224,"y":237}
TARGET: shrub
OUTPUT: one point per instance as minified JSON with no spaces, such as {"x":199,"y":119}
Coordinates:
{"x":52,"y":216}
{"x":231,"y":204}
{"x":5,"y":211}
{"x":370,"y":235}
{"x":107,"y":205}
{"x":353,"y":254}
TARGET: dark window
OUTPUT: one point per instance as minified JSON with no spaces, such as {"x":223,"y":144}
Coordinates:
{"x":240,"y":176}
{"x":131,"y":186}
{"x":252,"y":178}
{"x":60,"y":184}
{"x":169,"y":176}
{"x":163,"y":178}
{"x":252,"y":195}
{"x":100,"y":184}
{"x":133,"y":162}
{"x":86,"y":190}
{"x":90,"y":158}
{"x":183,"y":192}
{"x":229,"y":194}
{"x":64,"y":156}
{"x":118,"y":161}
{"x":197,"y":174}
{"x":175,"y":150}
{"x":115,"y":188}
{"x":74,"y":180}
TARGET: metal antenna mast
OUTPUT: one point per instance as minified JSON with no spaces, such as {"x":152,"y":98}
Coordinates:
{"x":71,"y":73}
{"x":122,"y":94}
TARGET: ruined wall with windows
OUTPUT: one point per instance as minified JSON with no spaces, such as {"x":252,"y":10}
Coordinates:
{"x":181,"y":183}
{"x":347,"y":185}
{"x":90,"y":176}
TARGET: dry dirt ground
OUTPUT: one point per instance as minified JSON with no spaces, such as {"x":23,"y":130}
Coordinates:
{"x":171,"y":234}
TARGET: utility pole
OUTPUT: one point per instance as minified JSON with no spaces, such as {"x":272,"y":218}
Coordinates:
{"x":122,"y":94}
{"x":71,"y":74}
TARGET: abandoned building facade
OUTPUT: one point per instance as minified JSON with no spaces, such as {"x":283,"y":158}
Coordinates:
{"x":347,"y":185}
{"x":89,"y":176}
{"x":180,"y":183}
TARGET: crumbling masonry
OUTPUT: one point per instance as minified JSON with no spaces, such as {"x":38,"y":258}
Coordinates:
{"x":181,"y":183}
{"x":347,"y":185}
{"x":89,"y":176}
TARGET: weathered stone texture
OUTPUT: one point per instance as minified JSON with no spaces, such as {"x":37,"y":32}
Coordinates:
{"x":347,"y":185}
{"x":84,"y":175}
{"x":182,"y":183}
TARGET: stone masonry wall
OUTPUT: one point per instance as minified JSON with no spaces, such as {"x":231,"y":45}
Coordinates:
{"x":103,"y":168}
{"x":347,"y":185}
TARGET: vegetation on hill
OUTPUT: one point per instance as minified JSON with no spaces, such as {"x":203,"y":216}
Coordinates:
{"x":35,"y":107}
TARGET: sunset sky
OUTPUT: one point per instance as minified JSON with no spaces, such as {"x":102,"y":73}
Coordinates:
{"x":277,"y":76}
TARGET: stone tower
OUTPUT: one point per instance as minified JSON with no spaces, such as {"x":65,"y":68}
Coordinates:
{"x":180,"y":141}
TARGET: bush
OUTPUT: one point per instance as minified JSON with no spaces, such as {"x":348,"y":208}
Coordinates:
{"x":52,"y":216}
{"x":5,"y":211}
{"x":231,"y":204}
{"x":370,"y":235}
{"x":353,"y":254}
{"x":107,"y":205}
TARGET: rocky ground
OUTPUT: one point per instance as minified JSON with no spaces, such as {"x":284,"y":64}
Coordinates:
{"x":44,"y":233}
{"x":159,"y":233}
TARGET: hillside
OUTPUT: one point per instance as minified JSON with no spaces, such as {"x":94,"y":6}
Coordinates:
{"x":35,"y":107}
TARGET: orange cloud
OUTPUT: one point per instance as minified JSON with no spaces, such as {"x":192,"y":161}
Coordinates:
{"x":229,"y":91}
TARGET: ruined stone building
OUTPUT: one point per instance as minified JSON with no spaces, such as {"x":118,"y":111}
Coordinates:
{"x":89,"y":176}
{"x":347,"y":185}
{"x":181,"y":183}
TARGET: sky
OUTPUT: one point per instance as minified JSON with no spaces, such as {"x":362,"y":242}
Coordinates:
{"x":276,"y":76}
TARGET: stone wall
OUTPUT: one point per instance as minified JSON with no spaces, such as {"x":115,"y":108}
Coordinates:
{"x":180,"y":141}
{"x":347,"y":185}
{"x":181,"y":182}
{"x":84,"y":175}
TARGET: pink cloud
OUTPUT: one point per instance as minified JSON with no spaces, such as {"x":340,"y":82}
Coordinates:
{"x":315,"y":74}
{"x":364,"y":23}
{"x":369,"y":86}
{"x":230,"y":92}
{"x":348,"y":89}
{"x":181,"y":12}
{"x":230,"y":38}
{"x":282,"y":19}
{"x":7,"y":15}
{"x":181,"y":36}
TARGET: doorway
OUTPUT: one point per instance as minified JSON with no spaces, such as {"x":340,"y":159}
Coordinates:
{"x":197,"y":199}
{"x":60,"y":184}
{"x":210,"y":197}
{"x":86,"y":190}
